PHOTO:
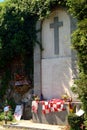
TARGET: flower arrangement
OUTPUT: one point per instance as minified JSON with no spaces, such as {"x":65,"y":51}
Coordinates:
{"x":68,"y":99}
{"x":36,"y":97}
{"x":65,"y":97}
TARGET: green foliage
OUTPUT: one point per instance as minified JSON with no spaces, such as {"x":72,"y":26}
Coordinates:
{"x":9,"y":116}
{"x":17,"y":38}
{"x":18,"y":34}
{"x":85,"y":123}
{"x":2,"y":116}
{"x":12,"y":104}
{"x":79,"y":40}
{"x":75,"y":121}
{"x":18,"y":26}
{"x":81,"y":87}
{"x":44,"y":7}
{"x":4,"y":82}
{"x":78,"y":8}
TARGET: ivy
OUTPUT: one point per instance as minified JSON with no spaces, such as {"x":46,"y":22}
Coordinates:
{"x":77,"y":8}
{"x":5,"y":82}
{"x":79,"y":39}
{"x":18,"y":34}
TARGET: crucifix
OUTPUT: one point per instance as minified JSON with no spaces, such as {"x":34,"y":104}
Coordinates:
{"x":56,"y":26}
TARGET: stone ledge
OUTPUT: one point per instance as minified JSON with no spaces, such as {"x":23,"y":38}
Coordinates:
{"x":26,"y":125}
{"x":54,"y":118}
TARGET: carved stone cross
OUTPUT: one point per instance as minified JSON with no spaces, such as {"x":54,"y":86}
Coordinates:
{"x":56,"y":26}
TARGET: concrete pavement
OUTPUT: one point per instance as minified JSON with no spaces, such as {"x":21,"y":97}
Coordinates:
{"x":29,"y":125}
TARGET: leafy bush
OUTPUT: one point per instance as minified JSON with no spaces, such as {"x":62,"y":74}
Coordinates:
{"x":9,"y":116}
{"x":81,"y":87}
{"x":85,"y":123}
{"x":2,"y":116}
{"x":75,"y":121}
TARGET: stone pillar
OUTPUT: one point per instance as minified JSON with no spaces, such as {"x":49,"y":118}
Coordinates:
{"x":37,"y":63}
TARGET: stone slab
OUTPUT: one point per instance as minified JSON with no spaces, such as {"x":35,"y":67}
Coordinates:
{"x":63,"y":35}
{"x":55,"y":118}
{"x":56,"y":77}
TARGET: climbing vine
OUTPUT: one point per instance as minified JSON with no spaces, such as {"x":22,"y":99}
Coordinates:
{"x":79,"y":39}
{"x":18,"y":34}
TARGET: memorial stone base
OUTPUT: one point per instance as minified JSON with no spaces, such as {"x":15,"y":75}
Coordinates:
{"x":54,"y":118}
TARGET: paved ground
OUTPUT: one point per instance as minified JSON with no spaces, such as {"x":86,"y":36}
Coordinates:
{"x":28,"y":124}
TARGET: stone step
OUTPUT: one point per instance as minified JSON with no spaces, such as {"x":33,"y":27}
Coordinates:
{"x":29,"y":125}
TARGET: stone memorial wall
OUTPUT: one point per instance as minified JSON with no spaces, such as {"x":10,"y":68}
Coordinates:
{"x":54,"y":67}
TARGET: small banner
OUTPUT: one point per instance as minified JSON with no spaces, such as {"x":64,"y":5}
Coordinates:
{"x":54,"y":105}
{"x":18,"y":112}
